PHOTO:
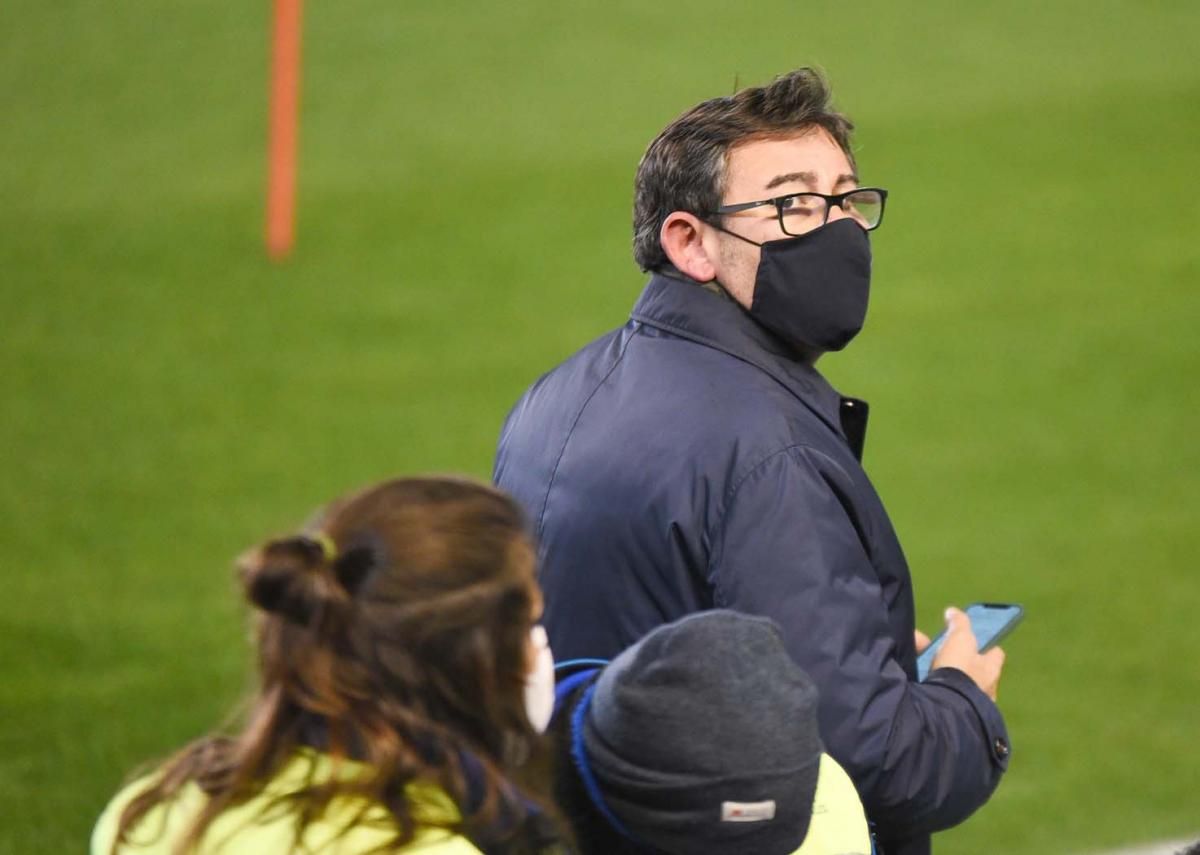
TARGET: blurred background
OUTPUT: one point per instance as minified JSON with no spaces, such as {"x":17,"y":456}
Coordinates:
{"x":171,"y":397}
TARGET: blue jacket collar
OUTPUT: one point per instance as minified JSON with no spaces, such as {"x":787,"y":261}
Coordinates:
{"x":686,"y":309}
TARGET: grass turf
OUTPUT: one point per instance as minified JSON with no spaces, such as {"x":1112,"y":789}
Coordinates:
{"x":170,"y":397}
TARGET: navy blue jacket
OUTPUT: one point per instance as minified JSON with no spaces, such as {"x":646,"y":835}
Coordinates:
{"x":686,"y":462}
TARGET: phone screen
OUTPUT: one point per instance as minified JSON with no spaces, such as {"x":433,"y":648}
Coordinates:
{"x":989,"y":621}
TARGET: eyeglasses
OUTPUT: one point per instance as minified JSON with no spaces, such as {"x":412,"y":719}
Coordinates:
{"x":802,"y":212}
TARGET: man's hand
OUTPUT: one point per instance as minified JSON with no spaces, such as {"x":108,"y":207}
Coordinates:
{"x":921,"y":640}
{"x":961,"y":650}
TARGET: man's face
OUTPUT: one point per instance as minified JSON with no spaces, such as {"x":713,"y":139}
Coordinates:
{"x":764,"y":169}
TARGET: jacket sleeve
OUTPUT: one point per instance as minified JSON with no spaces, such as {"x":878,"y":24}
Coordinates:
{"x":923,"y":755}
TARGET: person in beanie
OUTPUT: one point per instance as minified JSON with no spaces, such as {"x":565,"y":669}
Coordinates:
{"x":701,"y":738}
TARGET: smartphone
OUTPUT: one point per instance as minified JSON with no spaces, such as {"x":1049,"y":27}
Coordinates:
{"x":989,"y":621}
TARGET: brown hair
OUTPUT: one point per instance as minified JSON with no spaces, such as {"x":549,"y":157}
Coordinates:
{"x":394,"y":634}
{"x":683,"y":169}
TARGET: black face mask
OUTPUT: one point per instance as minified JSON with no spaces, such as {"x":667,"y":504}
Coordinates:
{"x":812,"y":290}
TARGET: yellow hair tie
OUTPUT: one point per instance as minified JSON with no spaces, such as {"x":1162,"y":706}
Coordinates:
{"x":328,"y":547}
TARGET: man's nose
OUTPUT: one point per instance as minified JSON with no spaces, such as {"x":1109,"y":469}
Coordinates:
{"x":835,"y":213}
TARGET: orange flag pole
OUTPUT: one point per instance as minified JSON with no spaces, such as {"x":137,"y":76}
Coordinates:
{"x":281,"y":154}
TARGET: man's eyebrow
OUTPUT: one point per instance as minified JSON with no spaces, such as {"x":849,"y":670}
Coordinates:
{"x":804,"y":177}
{"x":809,"y":179}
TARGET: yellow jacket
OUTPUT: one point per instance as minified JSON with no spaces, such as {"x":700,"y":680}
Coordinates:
{"x":251,"y":829}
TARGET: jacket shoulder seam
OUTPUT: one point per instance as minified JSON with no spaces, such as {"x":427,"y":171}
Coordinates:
{"x":787,"y":449}
{"x":732,"y":491}
{"x":570,"y":432}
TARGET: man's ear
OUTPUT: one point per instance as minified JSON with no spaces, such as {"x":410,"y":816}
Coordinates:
{"x":688,"y":245}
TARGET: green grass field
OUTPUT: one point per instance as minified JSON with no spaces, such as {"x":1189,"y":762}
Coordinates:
{"x":170,"y":397}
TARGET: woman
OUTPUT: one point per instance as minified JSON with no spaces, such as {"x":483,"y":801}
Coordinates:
{"x":402,"y":679}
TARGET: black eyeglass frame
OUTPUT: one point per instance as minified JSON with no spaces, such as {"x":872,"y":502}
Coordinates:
{"x":830,"y":201}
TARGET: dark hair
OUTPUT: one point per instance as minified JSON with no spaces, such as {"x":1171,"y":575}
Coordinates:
{"x":684,"y":168}
{"x":395,"y":634}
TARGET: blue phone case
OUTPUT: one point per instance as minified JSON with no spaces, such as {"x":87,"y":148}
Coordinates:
{"x":990,"y":622}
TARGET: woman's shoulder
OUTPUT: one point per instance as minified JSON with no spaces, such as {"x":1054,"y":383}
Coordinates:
{"x":152,"y":833}
{"x":265,"y":823}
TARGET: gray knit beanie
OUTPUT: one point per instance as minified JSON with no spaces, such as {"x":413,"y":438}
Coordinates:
{"x":703,"y":738}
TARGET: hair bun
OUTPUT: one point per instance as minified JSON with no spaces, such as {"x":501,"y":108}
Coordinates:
{"x":284,"y":578}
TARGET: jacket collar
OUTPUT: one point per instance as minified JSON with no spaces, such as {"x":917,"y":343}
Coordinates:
{"x":684,"y":308}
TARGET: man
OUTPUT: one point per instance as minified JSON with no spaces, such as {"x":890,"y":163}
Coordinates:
{"x":696,"y":459}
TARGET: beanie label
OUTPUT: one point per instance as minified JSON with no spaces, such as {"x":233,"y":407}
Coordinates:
{"x":747,"y":811}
